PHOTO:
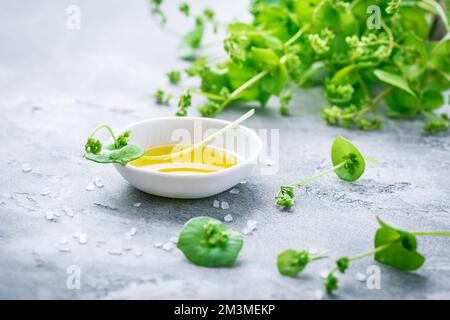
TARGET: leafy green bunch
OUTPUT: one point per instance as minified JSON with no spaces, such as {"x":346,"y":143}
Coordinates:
{"x":362,"y":51}
{"x":393,"y":247}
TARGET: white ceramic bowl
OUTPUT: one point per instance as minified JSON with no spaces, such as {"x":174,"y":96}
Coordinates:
{"x":165,"y":131}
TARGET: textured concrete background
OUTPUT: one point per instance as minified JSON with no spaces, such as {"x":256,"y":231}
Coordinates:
{"x":57,"y":84}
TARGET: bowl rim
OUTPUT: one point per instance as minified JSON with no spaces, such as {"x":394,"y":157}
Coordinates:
{"x":169,"y":175}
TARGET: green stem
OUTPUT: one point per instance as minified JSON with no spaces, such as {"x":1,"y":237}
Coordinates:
{"x":211,"y":96}
{"x":298,"y":183}
{"x":432,"y":233}
{"x":205,"y":141}
{"x":373,"y":251}
{"x":104,"y":126}
{"x":296,"y":36}
{"x":235,"y":94}
{"x":374,"y":102}
{"x":319,"y":256}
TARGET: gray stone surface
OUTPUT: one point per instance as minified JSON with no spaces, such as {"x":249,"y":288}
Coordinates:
{"x":57,"y":84}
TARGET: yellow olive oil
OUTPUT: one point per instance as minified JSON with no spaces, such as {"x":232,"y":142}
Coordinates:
{"x":203,"y":159}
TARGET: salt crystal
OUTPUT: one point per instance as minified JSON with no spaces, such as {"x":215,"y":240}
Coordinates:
{"x":76,"y":235}
{"x":168,"y":246}
{"x":127,"y":247}
{"x":251,"y":224}
{"x":98,"y":183}
{"x":318,"y":294}
{"x":313,"y":251}
{"x":68,"y":211}
{"x":26,"y":167}
{"x":82,"y":239}
{"x":247,"y":231}
{"x":90,"y":187}
{"x":323,"y":274}
{"x":269,"y":163}
{"x":63,"y":241}
{"x":49,"y":215}
{"x":174,"y":239}
{"x":158,"y":244}
{"x":224,"y":205}
{"x":132,"y":231}
{"x":216,"y":204}
{"x":45,"y":192}
{"x":243,"y":182}
{"x":137,"y":252}
{"x":115,"y":252}
{"x":228,"y":218}
{"x":64,"y":249}
{"x":57,"y":214}
{"x":234,"y":191}
{"x":137,"y":204}
{"x":360,"y":277}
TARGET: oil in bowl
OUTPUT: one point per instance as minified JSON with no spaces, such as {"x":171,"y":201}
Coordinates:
{"x":201,"y":160}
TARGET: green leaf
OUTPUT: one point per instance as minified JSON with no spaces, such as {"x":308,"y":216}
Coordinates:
{"x":331,"y":283}
{"x":119,"y":152}
{"x":432,"y":99}
{"x":343,"y":150}
{"x":401,"y":103}
{"x":208,"y":242}
{"x":286,"y":196}
{"x":190,"y":42}
{"x":122,"y":155}
{"x":291,"y":263}
{"x":402,"y":253}
{"x":394,"y":79}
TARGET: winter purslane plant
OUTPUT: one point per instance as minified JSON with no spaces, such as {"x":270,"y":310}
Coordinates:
{"x":360,"y":57}
{"x":393,"y":247}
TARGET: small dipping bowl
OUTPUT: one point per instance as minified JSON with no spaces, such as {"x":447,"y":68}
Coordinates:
{"x":244,"y":143}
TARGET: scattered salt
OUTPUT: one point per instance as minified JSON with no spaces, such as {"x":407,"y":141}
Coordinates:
{"x":115,"y":252}
{"x":64,"y":249}
{"x":68,"y":211}
{"x":228,"y":218}
{"x":313,"y":251}
{"x":234,"y":191}
{"x":318,"y":294}
{"x":127,"y":247}
{"x":98,"y":183}
{"x":63,"y":241}
{"x":82,"y":239}
{"x":132,"y":231}
{"x":225,"y":205}
{"x":90,"y":187}
{"x":137,"y":204}
{"x":158,"y":244}
{"x":45,"y":192}
{"x":76,"y":235}
{"x":168,"y":246}
{"x":26,"y":167}
{"x":243,"y":182}
{"x":247,"y":231}
{"x":216,"y":204}
{"x":360,"y":277}
{"x":174,"y":239}
{"x":251,"y":224}
{"x":49,"y":215}
{"x":137,"y":252}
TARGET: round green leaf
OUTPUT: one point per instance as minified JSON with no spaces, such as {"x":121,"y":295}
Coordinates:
{"x":343,"y":150}
{"x":209,"y":243}
{"x":123,"y":155}
{"x":402,"y":253}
